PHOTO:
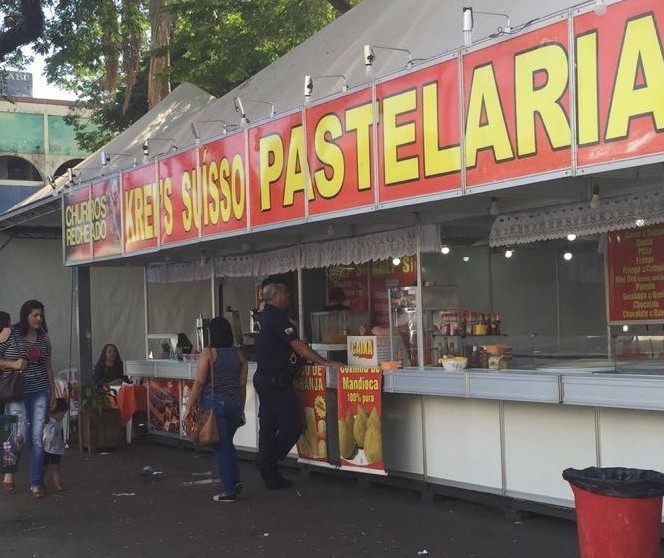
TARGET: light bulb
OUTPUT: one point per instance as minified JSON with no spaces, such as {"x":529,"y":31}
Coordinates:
{"x":494,"y":209}
{"x":571,"y":237}
{"x":445,"y":250}
{"x":640,"y":222}
{"x":396,"y":261}
{"x":466,"y":258}
{"x":625,"y":328}
{"x":594,"y":200}
{"x":567,"y":256}
{"x":509,"y":253}
{"x":600,"y":7}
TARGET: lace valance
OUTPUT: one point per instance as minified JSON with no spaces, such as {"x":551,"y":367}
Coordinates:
{"x":613,"y":213}
{"x":377,"y":246}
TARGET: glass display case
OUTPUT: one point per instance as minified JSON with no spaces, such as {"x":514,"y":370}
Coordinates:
{"x":332,"y":327}
{"x":161,"y":345}
{"x":403,"y":320}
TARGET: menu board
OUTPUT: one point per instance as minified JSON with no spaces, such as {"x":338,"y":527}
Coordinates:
{"x":359,"y":405}
{"x":310,"y":384}
{"x":636,"y":275}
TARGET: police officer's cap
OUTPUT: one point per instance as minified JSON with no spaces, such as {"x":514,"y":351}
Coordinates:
{"x":276,"y":280}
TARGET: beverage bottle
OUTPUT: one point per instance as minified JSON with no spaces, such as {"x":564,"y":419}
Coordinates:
{"x":463,"y":323}
{"x":496,"y":322}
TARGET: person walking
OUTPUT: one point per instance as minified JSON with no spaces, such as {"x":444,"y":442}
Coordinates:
{"x":278,"y":353}
{"x":229,"y":367}
{"x":29,"y":343}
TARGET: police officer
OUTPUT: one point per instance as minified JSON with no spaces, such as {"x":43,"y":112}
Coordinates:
{"x":278,"y":352}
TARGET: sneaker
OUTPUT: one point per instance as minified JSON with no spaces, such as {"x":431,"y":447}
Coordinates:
{"x":278,"y":482}
{"x":224,"y":497}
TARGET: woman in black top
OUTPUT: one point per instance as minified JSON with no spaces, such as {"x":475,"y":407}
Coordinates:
{"x":109,"y":367}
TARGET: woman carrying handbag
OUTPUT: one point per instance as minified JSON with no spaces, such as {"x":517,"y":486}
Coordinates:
{"x":221,"y":385}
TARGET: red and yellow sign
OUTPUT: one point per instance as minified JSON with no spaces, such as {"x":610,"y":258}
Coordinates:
{"x":310,"y":385}
{"x":359,"y":405}
{"x":278,"y":182}
{"x":517,"y":107}
{"x":140,"y":213}
{"x":179,"y":196}
{"x":510,"y":108}
{"x":636,"y":275}
{"x":620,"y":82}
{"x":224,"y":185}
{"x":92,"y":219}
{"x":419,"y":135}
{"x":339,"y":147}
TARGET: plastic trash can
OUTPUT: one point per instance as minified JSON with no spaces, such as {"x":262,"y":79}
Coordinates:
{"x":10,"y":449}
{"x":618,"y":511}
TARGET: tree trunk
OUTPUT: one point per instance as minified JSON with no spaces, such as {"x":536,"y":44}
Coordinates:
{"x":161,"y":24}
{"x":28,"y":27}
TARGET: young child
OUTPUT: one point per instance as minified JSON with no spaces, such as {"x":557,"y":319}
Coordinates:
{"x":54,"y":442}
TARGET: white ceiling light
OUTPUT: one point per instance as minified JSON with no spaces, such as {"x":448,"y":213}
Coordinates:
{"x":396,"y":261}
{"x":571,"y":237}
{"x":445,"y":250}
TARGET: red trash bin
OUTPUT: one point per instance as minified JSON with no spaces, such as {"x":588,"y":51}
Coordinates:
{"x":622,"y":522}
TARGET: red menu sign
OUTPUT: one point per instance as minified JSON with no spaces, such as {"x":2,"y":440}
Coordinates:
{"x":359,"y":404}
{"x":636,"y":275}
{"x":310,"y":387}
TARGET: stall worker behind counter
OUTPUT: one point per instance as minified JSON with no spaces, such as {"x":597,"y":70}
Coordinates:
{"x":278,"y":352}
{"x":337,"y":297}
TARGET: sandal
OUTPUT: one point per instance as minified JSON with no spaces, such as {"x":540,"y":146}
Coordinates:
{"x":38,"y":492}
{"x":8,"y":485}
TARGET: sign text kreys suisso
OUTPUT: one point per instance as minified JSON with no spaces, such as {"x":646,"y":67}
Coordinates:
{"x":517,"y":107}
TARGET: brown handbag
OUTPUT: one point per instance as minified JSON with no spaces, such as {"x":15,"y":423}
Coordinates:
{"x":202,"y":427}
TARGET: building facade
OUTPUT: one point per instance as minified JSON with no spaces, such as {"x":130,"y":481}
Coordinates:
{"x":35,"y":143}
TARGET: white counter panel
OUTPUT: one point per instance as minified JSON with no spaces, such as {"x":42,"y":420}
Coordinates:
{"x":510,"y":386}
{"x":543,"y":440}
{"x":246,"y":437}
{"x":402,"y":433}
{"x":632,"y":439}
{"x":462,"y":441}
{"x":615,"y":390}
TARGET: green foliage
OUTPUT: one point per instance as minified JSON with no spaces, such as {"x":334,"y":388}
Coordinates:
{"x":91,"y":48}
{"x":93,"y":398}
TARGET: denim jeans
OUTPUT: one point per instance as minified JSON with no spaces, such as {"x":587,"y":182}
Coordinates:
{"x":229,"y":415}
{"x":31,"y":414}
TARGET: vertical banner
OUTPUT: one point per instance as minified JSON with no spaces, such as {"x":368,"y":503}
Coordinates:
{"x":107,"y":220}
{"x":359,"y":404}
{"x":179,"y":215}
{"x":518,"y":106}
{"x":636,"y":275}
{"x":164,"y":406}
{"x":419,"y":134}
{"x":310,"y":386}
{"x":339,"y":147}
{"x":224,"y":185}
{"x":140,"y":214}
{"x":77,"y":225}
{"x":620,"y":82}
{"x":278,"y":178}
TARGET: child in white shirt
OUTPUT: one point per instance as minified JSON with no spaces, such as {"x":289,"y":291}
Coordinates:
{"x":54,"y":442}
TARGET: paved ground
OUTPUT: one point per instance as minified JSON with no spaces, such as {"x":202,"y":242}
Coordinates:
{"x":109,"y":511}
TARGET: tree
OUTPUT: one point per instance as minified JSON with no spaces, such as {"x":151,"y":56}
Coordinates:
{"x":121,"y":57}
{"x":23,"y":23}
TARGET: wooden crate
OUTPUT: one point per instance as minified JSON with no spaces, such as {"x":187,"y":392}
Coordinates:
{"x":100,"y":429}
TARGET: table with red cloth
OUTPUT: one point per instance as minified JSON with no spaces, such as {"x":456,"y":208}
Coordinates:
{"x":132,"y":399}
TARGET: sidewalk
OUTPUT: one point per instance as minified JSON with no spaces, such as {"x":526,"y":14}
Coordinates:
{"x":109,"y":511}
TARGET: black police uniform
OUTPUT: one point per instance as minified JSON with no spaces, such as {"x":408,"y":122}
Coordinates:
{"x":279,"y":417}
